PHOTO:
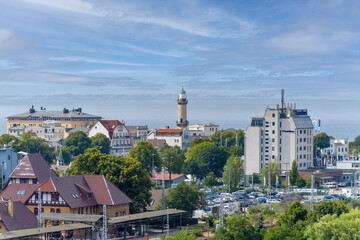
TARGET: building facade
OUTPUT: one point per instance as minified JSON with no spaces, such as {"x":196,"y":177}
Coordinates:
{"x":137,"y":134}
{"x":8,"y":162}
{"x":338,"y":149}
{"x":172,"y":136}
{"x":203,"y":130}
{"x":282,"y":135}
{"x":182,"y":101}
{"x":68,"y":118}
{"x":116,"y":132}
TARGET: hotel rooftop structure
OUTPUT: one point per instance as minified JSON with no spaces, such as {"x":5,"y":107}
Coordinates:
{"x":74,"y":118}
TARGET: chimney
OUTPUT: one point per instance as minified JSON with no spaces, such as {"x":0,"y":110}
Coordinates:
{"x":11,"y":208}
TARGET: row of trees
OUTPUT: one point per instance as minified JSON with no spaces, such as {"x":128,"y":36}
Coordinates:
{"x":328,"y":220}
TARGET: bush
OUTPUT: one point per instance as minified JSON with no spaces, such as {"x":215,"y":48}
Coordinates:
{"x":197,"y":233}
{"x":300,"y":182}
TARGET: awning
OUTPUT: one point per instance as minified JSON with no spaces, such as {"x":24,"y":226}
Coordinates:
{"x":40,"y":231}
{"x":68,"y":217}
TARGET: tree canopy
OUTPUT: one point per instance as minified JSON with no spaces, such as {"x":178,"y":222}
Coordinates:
{"x":32,"y":144}
{"x":321,"y":140}
{"x":100,"y":142}
{"x":234,"y":167}
{"x":227,"y":138}
{"x":145,"y":153}
{"x":125,"y":172}
{"x":183,"y":197}
{"x":204,"y":158}
{"x":76,"y":143}
{"x":293,"y":174}
{"x":172,"y":159}
{"x":237,"y":227}
{"x":210,"y":180}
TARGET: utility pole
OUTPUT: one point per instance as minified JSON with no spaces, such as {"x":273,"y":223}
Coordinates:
{"x":229,"y":180}
{"x":39,"y":209}
{"x":105,"y":229}
{"x":153,"y":170}
{"x":220,"y":139}
{"x":163,"y":188}
{"x":221,"y":213}
{"x":312,"y":192}
{"x":167,"y":223}
{"x":236,"y":137}
{"x":269,"y":190}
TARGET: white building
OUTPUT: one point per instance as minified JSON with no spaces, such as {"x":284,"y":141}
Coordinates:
{"x":172,"y":136}
{"x":203,"y":130}
{"x":137,"y":134}
{"x":116,"y":132}
{"x":283,"y":134}
{"x":338,"y":149}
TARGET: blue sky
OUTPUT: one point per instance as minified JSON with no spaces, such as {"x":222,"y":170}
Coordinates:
{"x":128,"y":59}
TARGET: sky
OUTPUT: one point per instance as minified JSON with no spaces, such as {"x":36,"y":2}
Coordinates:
{"x":128,"y":60}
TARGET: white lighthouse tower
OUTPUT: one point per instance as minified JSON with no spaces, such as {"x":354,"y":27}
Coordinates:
{"x":182,"y":121}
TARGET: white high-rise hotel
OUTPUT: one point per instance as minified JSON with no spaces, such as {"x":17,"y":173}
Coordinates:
{"x":283,"y":135}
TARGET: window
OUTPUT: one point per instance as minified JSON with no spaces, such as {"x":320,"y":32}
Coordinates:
{"x":273,"y":115}
{"x":273,"y":140}
{"x":273,"y":123}
{"x":300,"y":148}
{"x":273,"y":148}
{"x":58,"y":210}
{"x":300,"y":139}
{"x":300,"y":131}
{"x":52,"y":210}
{"x":273,"y":131}
{"x":300,"y":164}
{"x":36,"y":211}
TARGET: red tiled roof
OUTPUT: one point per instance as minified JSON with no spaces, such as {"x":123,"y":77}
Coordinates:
{"x":12,"y":192}
{"x":34,"y":166}
{"x":23,"y":217}
{"x":170,"y":130}
{"x":158,"y":176}
{"x":110,"y":125}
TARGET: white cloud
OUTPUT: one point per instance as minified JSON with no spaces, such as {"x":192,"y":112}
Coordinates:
{"x":77,"y":6}
{"x":92,"y":60}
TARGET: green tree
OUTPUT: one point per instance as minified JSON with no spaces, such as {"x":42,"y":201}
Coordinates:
{"x":293,"y":174}
{"x":76,"y":143}
{"x":101,"y":142}
{"x":210,"y":180}
{"x":183,"y":197}
{"x":274,"y":170}
{"x":7,"y":139}
{"x":65,"y":155}
{"x":31,"y":144}
{"x":321,"y":140}
{"x":236,"y":151}
{"x":259,"y":226}
{"x":181,"y":235}
{"x":146,"y":154}
{"x":237,"y":227}
{"x":125,"y":172}
{"x":204,"y":158}
{"x":256,"y":178}
{"x":354,"y":146}
{"x":234,"y":167}
{"x":196,"y":141}
{"x":300,"y":182}
{"x":172,"y":159}
{"x":227,"y":138}
{"x":325,"y":208}
{"x":294,"y":213}
{"x":333,"y":227}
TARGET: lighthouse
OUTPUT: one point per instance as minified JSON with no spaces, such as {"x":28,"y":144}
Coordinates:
{"x":182,"y":121}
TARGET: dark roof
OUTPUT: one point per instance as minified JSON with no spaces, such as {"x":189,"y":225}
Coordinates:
{"x":75,"y":190}
{"x":33,"y":165}
{"x":302,"y":122}
{"x":49,"y":115}
{"x":23,"y":217}
{"x":18,"y":192}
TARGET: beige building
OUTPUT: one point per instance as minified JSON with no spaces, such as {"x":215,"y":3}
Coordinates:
{"x":283,"y":134}
{"x":203,"y":130}
{"x":68,"y":118}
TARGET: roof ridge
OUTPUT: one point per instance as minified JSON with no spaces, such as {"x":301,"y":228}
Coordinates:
{"x":107,"y":187}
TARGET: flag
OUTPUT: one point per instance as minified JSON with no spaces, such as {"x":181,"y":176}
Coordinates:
{"x":277,"y":180}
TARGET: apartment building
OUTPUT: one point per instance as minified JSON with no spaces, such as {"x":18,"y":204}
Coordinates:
{"x":203,"y":130}
{"x":282,"y":135}
{"x":172,"y":136}
{"x":338,"y":149}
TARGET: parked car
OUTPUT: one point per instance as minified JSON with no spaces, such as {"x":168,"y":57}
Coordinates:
{"x":342,"y":184}
{"x":329,"y":185}
{"x":262,"y":199}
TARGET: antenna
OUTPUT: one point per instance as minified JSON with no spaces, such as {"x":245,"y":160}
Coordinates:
{"x":282,"y":102}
